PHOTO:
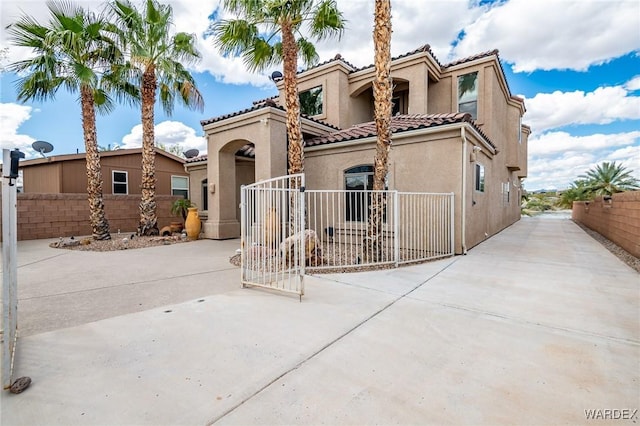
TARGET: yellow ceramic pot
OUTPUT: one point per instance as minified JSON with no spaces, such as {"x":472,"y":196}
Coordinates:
{"x":192,"y":224}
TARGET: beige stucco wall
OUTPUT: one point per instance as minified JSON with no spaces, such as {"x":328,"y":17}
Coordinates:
{"x":432,"y":162}
{"x":420,"y":163}
{"x":245,"y":175}
{"x":440,"y":96}
{"x":197,"y":173}
{"x":266,"y":129}
{"x":334,"y":80}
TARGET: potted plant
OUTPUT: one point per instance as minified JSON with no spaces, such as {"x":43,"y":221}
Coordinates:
{"x":180,"y":208}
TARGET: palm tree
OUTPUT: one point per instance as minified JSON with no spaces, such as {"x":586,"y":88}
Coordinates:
{"x":577,"y":191}
{"x":156,"y":67}
{"x":283,"y":20}
{"x":609,"y":178}
{"x":382,"y":95}
{"x":72,"y":52}
{"x":282,"y":41}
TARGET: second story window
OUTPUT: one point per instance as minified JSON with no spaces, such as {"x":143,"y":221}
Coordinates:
{"x":520,"y":130}
{"x":311,"y":101}
{"x":468,"y":94}
{"x":120,"y":181}
{"x":479,"y":178}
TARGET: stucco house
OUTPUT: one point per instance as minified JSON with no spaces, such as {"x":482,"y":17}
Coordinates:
{"x":121,"y":173}
{"x":457,"y":128}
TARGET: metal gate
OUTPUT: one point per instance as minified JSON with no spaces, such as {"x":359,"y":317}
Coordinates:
{"x":273,"y":234}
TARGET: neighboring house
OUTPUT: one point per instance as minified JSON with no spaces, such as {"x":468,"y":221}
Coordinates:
{"x":121,"y":173}
{"x":456,"y":128}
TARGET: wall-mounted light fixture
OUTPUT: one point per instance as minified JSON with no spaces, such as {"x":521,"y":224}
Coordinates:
{"x":474,"y":154}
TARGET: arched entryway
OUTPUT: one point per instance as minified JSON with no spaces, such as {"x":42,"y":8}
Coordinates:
{"x":243,"y":148}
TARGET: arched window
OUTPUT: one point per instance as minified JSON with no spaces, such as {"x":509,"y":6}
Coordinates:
{"x":205,"y":194}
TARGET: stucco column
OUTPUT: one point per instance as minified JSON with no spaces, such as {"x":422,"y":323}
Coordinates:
{"x":222,"y":222}
{"x":419,"y":91}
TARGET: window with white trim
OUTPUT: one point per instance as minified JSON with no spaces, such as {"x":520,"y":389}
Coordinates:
{"x":180,"y":186}
{"x":120,"y":182}
{"x":520,"y":130}
{"x":479,"y":177}
{"x":506,"y":193}
{"x":468,"y":94}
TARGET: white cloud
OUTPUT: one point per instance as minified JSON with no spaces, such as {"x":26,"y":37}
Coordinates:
{"x":168,"y":133}
{"x":553,"y":34}
{"x":633,"y":84}
{"x":553,"y":143}
{"x":439,"y":24}
{"x":12,"y":116}
{"x":629,"y":157}
{"x":602,"y":106}
{"x":557,"y":158}
{"x":541,"y":34}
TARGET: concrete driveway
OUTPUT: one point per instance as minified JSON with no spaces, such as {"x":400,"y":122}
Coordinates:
{"x":537,"y":325}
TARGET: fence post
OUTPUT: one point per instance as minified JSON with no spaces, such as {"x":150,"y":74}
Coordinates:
{"x":243,"y":232}
{"x":452,"y":226}
{"x":396,"y":227}
{"x":303,"y":218}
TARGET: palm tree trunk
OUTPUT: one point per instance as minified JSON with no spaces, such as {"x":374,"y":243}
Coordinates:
{"x":99,"y":223}
{"x":148,"y":208}
{"x":382,"y":93}
{"x":292,"y":105}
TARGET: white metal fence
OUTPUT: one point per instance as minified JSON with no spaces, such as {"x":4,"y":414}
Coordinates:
{"x":272,"y":232}
{"x":285,"y":228}
{"x":415,"y":227}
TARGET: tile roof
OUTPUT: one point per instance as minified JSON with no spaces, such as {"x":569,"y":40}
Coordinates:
{"x":424,"y":48}
{"x":266,"y":100}
{"x":196,"y":159}
{"x":485,"y":55}
{"x":247,"y":151}
{"x":399,"y":124}
{"x":267,"y":103}
{"x":471,"y":58}
{"x":336,"y":58}
{"x":235,"y":114}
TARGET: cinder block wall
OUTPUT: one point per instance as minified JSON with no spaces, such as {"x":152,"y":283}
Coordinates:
{"x":64,"y":215}
{"x":617,"y":220}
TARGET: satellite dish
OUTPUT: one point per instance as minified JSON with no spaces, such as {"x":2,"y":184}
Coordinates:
{"x":276,"y":75}
{"x":191,"y":153}
{"x":42,"y":147}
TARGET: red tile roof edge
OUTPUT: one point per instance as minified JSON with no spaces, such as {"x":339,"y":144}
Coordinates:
{"x":399,"y":124}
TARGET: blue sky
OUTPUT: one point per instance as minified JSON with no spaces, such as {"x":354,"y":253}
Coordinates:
{"x":576,"y":63}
